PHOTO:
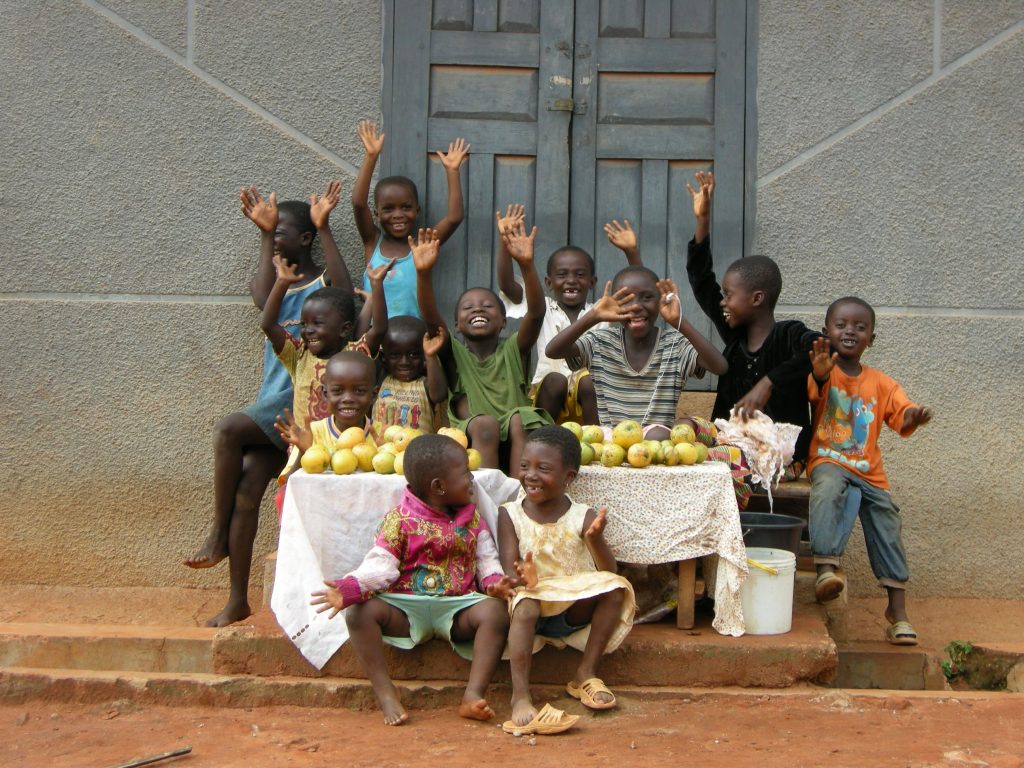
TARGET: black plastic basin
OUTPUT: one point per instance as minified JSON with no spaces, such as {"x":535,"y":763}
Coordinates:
{"x":764,"y":529}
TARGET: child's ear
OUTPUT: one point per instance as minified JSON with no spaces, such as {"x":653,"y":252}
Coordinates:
{"x":547,"y":282}
{"x":346,"y":329}
{"x":570,"y":475}
{"x":307,"y":239}
{"x":872,"y":339}
{"x":437,"y":486}
{"x":593,"y":280}
{"x":757,"y":298}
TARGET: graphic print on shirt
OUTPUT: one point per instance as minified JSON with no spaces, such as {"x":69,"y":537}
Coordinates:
{"x":318,"y":407}
{"x":396,"y":411}
{"x":844,"y":428}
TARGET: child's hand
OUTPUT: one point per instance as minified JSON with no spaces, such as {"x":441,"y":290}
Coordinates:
{"x":424,"y":249}
{"x":328,"y":599}
{"x":527,"y":571}
{"x":361,"y":294}
{"x":292,"y":433}
{"x":613,"y":308}
{"x":432,"y":345}
{"x":597,"y":527}
{"x":377,"y":274}
{"x":373,"y":140}
{"x":518,"y":244}
{"x":457,"y":153}
{"x":515,"y":213}
{"x":502,"y":589}
{"x":916,"y":417}
{"x":754,"y":400}
{"x":262,"y":213}
{"x":671,"y":304}
{"x":821,"y":361}
{"x":702,"y":196}
{"x":621,"y":236}
{"x":320,"y":207}
{"x":286,"y":270}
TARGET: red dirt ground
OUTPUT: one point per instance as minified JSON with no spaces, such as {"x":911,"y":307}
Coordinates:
{"x":812,"y":728}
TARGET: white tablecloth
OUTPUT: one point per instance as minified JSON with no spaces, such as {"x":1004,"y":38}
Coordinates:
{"x":327,"y":528}
{"x":663,"y":514}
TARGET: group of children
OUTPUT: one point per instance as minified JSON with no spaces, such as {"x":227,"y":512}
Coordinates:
{"x":435,"y":568}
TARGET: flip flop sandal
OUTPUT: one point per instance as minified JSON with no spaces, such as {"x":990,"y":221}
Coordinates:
{"x":828,"y":586}
{"x":901,"y":633}
{"x":587,"y":690}
{"x":547,"y":722}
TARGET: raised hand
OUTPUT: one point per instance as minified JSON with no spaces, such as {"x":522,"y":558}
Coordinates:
{"x":822,"y":361}
{"x":425,"y":249}
{"x":502,"y":589}
{"x":622,"y":235}
{"x":262,"y":213}
{"x":286,"y":270}
{"x":613,"y":308}
{"x":373,"y":140}
{"x":516,"y":212}
{"x":518,"y":244}
{"x":364,"y":295}
{"x":432,"y":345}
{"x":329,"y":599}
{"x":916,"y":416}
{"x":702,"y":195}
{"x":320,"y":207}
{"x":527,"y":571}
{"x":377,"y":274}
{"x":456,"y":155}
{"x":671,"y":305}
{"x":292,"y":432}
{"x":597,"y":527}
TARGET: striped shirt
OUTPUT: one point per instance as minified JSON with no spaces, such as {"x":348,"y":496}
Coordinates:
{"x":648,"y":395}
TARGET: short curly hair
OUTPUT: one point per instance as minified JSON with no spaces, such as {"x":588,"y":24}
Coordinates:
{"x":560,"y":438}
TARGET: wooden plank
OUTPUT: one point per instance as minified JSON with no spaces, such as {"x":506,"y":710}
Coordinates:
{"x":687,"y":584}
{"x":693,"y":18}
{"x":480,"y":222}
{"x":730,"y":98}
{"x":485,"y":16}
{"x":618,"y":195}
{"x":655,"y":98}
{"x":484,"y":93}
{"x":499,"y":49}
{"x":406,"y":124}
{"x":657,"y":19}
{"x":448,"y":14}
{"x":584,"y":129}
{"x":450,"y":273}
{"x":515,"y":181}
{"x":653,"y":224}
{"x":669,"y":55}
{"x":619,"y":19}
{"x":519,"y":16}
{"x":486,"y":136}
{"x":656,"y":142}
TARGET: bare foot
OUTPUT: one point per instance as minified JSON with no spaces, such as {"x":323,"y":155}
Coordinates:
{"x":211,"y":553}
{"x":230,"y":614}
{"x":523,"y":711}
{"x":475,"y":710}
{"x":394,"y":712}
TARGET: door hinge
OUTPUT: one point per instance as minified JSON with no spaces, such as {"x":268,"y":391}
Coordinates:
{"x":568,"y":105}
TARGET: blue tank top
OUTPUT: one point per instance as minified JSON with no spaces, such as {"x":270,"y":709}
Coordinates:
{"x":275,"y":377}
{"x":399,"y":284}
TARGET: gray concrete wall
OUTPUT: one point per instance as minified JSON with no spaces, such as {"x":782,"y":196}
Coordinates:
{"x":891,"y":166}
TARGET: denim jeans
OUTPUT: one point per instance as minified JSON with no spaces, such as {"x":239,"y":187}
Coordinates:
{"x":838,"y":496}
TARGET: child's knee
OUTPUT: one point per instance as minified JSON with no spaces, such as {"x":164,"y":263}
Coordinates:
{"x":494,"y":614}
{"x":231,"y":429}
{"x":585,"y":387}
{"x":526,"y":612}
{"x":484,"y":429}
{"x":554,"y":386}
{"x":616,"y":597}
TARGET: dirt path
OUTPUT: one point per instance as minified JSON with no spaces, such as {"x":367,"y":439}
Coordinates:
{"x":813,"y":729}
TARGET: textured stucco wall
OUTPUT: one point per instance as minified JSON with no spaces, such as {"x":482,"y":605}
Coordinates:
{"x":128,"y":128}
{"x":891,"y":166}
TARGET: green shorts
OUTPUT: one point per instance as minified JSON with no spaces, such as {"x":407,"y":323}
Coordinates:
{"x":431,"y":616}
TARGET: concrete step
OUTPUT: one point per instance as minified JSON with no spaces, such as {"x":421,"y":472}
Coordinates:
{"x":107,"y":647}
{"x":884,"y":666}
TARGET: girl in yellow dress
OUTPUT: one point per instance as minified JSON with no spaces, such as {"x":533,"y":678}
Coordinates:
{"x":570,"y":593}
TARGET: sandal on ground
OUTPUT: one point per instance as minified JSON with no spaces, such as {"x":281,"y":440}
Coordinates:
{"x":901,"y":633}
{"x":828,"y":586}
{"x":587,"y":691}
{"x":545,"y":723}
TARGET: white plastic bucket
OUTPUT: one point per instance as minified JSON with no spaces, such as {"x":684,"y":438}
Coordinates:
{"x":767,"y":599}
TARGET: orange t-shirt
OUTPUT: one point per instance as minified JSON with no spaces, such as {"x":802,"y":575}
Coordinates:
{"x":848,"y":416}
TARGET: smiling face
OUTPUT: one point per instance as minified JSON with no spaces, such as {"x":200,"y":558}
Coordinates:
{"x":543,"y":473}
{"x":324,"y":331}
{"x":290,"y":242}
{"x":397,"y":210}
{"x":850,"y":329}
{"x":349,"y":388}
{"x":479,"y":314}
{"x":644,"y":308}
{"x":738,"y":301}
{"x":570,"y":277}
{"x":403,"y":354}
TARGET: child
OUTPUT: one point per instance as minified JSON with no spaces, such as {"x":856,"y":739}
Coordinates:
{"x":638,"y":369}
{"x":397,"y":203}
{"x":248,"y":450}
{"x":565,"y":394}
{"x":851,"y":402}
{"x":415,"y":381}
{"x":487,"y":376}
{"x":431,"y":561}
{"x":349,"y":386}
{"x":768,"y":364}
{"x":572,"y":593}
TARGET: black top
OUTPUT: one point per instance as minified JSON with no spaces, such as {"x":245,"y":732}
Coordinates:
{"x":782,"y":358}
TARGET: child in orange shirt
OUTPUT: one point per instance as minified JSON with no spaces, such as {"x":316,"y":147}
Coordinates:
{"x":851,"y":401}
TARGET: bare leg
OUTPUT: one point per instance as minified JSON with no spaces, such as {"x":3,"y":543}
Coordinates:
{"x":236,"y":434}
{"x":551,"y":394}
{"x":586,"y":396}
{"x":604,"y":615}
{"x":896,"y":610}
{"x":520,"y":647}
{"x":487,"y":623}
{"x":258,"y":466}
{"x":516,"y":441}
{"x":484,"y":435}
{"x":367,"y":623}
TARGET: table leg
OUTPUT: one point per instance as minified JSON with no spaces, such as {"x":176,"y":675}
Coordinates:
{"x":687,"y":583}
